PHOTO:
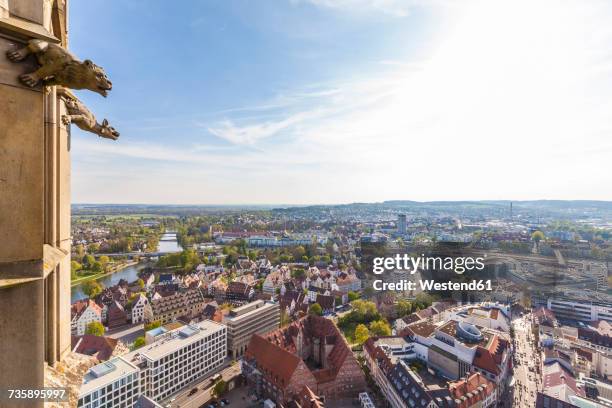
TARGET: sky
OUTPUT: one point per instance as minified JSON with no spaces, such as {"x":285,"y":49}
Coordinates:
{"x":339,"y":101}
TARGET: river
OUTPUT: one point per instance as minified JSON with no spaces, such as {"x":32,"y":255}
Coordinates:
{"x":167,"y":244}
{"x":130,"y":274}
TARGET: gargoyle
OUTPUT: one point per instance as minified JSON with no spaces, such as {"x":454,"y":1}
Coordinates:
{"x":84,"y":119}
{"x":60,"y":67}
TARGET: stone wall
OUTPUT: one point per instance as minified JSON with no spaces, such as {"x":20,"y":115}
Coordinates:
{"x":34,"y":204}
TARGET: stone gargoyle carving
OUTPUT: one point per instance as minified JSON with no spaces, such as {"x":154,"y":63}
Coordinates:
{"x":81,"y":116}
{"x":60,"y":67}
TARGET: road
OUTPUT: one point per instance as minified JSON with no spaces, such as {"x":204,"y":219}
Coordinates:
{"x":184,"y":400}
{"x":127,"y":334}
{"x":527,"y":359}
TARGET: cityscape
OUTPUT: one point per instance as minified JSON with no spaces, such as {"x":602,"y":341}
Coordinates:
{"x":275,"y":307}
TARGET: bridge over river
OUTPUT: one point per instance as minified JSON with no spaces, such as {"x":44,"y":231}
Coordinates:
{"x":168,"y":244}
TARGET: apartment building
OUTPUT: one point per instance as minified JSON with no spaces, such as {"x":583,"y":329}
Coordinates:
{"x":157,"y":370}
{"x":180,"y":357}
{"x":141,"y":309}
{"x":114,"y":383}
{"x":184,"y":303}
{"x":580,"y":309}
{"x":256,"y":317}
{"x":84,"y":312}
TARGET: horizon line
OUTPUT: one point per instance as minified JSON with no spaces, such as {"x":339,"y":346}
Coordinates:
{"x":340,"y":203}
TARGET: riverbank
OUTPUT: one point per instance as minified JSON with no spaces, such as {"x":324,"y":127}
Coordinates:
{"x":102,"y":274}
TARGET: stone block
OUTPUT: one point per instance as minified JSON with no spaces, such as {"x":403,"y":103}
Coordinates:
{"x":32,"y":10}
{"x":22,"y":328}
{"x":21,"y":174}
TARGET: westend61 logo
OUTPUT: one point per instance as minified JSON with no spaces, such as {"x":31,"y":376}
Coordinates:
{"x":435,"y":264}
{"x":404,"y":262}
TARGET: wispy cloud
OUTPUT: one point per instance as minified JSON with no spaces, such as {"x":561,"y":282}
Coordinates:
{"x":251,"y":134}
{"x":396,"y":8}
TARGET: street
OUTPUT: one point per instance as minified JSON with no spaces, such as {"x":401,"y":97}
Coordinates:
{"x":527,"y":361}
{"x":203,"y":395}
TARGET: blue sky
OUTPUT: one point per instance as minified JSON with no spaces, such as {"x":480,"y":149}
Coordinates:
{"x":327,"y":101}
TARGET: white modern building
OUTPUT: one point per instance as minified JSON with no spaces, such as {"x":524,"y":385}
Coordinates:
{"x":180,"y":357}
{"x":114,"y":383}
{"x":158,"y":370}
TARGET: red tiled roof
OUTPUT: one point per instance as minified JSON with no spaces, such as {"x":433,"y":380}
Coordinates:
{"x":78,"y":307}
{"x":98,"y":346}
{"x":485,"y":361}
{"x":555,"y":375}
{"x":473,"y":388}
{"x":277,"y":352}
{"x":424,"y":329}
{"x":308,"y":399}
{"x":326,"y":302}
{"x":277,"y":363}
{"x":490,"y":357}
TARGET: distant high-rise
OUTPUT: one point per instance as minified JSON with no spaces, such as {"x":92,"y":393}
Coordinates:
{"x":401,"y":223}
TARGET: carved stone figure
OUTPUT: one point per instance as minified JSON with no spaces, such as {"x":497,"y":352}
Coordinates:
{"x":60,"y":67}
{"x":81,"y":116}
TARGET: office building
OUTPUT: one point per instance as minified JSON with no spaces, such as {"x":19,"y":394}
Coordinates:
{"x":256,"y":317}
{"x":579,"y":309}
{"x":158,"y":370}
{"x":180,"y":357}
{"x":114,"y":383}
{"x":401,"y":224}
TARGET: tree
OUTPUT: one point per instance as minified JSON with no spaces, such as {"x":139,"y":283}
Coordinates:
{"x":219,"y":388}
{"x":153,"y":325}
{"x":353,"y":296}
{"x":403,"y":308}
{"x":285,"y":319}
{"x":79,"y":251}
{"x":140,"y":283}
{"x":380,"y":328}
{"x":537,"y":236}
{"x":74,"y":268}
{"x":97,"y":267}
{"x":88,"y":260}
{"x":95,"y":328}
{"x":422,"y":301}
{"x":363,"y":311}
{"x":298,"y":252}
{"x":92,"y":288}
{"x":361,"y":333}
{"x":139,"y":342}
{"x":315,"y":309}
